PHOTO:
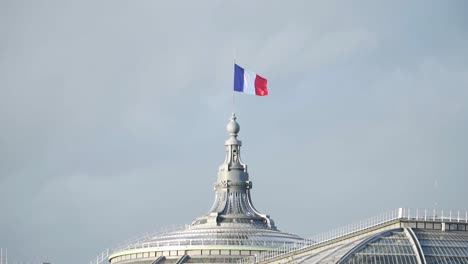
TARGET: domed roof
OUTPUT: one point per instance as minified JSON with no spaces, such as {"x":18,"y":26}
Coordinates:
{"x":236,"y":236}
{"x":233,"y":228}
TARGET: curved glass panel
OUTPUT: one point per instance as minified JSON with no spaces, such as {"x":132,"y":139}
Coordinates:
{"x":443,"y":246}
{"x":220,"y":236}
{"x":392,"y":247}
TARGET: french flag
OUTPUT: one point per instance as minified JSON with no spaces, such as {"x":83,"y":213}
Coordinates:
{"x":249,"y":82}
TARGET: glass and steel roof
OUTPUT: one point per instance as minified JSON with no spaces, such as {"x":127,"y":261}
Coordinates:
{"x":404,"y":245}
{"x":443,"y":247}
{"x":398,"y":247}
{"x":422,"y":237}
{"x":392,"y":247}
{"x":219,"y":236}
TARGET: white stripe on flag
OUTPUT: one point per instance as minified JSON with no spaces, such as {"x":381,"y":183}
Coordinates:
{"x":249,"y":82}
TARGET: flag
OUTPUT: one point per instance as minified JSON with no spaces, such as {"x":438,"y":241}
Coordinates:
{"x":249,"y":82}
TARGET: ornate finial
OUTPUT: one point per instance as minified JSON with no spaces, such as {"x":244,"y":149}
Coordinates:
{"x":233,"y":127}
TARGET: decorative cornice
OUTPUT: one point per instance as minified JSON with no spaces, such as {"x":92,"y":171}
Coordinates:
{"x":228,"y":184}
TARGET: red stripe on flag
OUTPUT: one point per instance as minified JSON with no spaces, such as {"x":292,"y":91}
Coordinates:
{"x":261,"y":88}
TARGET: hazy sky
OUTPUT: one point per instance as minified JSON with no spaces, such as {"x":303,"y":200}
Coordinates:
{"x":113,"y":114}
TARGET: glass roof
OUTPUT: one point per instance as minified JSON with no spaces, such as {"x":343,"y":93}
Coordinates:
{"x":393,"y":247}
{"x":396,"y":237}
{"x":443,"y":247}
{"x":398,"y":246}
{"x":225,"y":236}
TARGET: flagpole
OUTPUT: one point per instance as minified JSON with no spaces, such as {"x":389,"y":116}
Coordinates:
{"x":233,"y":101}
{"x":234,"y":92}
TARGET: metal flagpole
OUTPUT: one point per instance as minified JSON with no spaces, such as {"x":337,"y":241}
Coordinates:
{"x":232,"y":89}
{"x":233,"y":92}
{"x":233,"y":101}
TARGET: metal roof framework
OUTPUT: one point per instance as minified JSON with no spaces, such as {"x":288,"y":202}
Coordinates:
{"x":398,"y":236}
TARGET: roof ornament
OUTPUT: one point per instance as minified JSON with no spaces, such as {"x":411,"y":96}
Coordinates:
{"x":233,"y":204}
{"x":233,"y":127}
{"x":233,"y":145}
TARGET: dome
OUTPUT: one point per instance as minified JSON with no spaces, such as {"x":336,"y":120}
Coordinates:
{"x":230,"y":231}
{"x":241,"y":238}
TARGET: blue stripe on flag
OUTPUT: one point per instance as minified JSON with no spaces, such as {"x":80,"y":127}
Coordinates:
{"x":238,"y":78}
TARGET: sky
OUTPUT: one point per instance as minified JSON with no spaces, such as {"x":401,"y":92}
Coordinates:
{"x":113,"y":115}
